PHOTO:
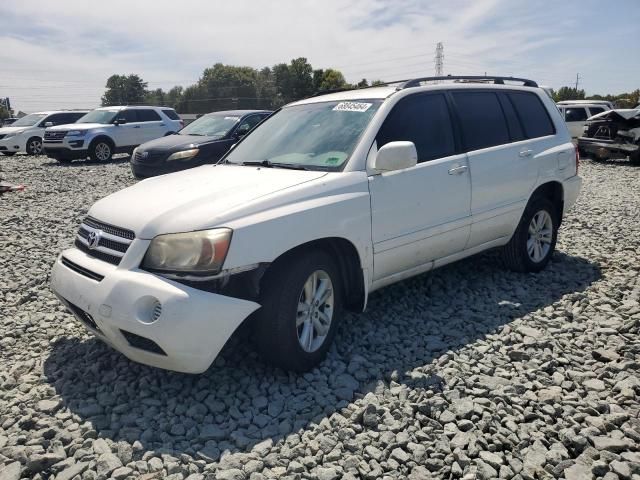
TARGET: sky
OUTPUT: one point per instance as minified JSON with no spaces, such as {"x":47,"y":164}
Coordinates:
{"x":59,"y":54}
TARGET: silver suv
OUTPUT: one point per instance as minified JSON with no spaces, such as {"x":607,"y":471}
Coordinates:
{"x":108,"y":130}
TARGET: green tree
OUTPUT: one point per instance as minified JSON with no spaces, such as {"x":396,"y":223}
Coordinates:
{"x":124,"y":90}
{"x":332,"y":80}
{"x":4,"y":113}
{"x":362,"y":83}
{"x":568,"y":93}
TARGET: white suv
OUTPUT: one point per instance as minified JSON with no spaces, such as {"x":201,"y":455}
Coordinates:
{"x":108,"y":130}
{"x":328,"y":199}
{"x":25,"y":134}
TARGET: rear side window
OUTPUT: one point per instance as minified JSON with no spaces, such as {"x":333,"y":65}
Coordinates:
{"x":575,"y":114}
{"x":423,"y":120}
{"x":533,"y":114}
{"x":595,"y":110}
{"x":481,"y":118}
{"x":515,"y":128}
{"x":148,"y":116}
{"x":169,"y":112}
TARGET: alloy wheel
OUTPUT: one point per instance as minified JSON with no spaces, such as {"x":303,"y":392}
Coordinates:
{"x":315,"y":311}
{"x":540,"y":235}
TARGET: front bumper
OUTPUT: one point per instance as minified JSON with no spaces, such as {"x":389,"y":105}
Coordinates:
{"x":571,"y":188}
{"x":190,"y":330}
{"x":11,"y":144}
{"x":604,"y":148}
{"x":56,"y":150}
{"x":142,"y":169}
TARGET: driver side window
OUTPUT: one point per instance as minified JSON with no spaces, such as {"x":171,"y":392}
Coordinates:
{"x":128,"y":115}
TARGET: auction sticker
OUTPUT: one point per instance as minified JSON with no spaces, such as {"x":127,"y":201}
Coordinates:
{"x":352,"y":107}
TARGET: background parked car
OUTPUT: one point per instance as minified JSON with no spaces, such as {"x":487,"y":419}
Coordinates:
{"x":575,"y":115}
{"x":108,"y":130}
{"x":613,"y":134}
{"x":25,"y":134}
{"x":203,"y":141}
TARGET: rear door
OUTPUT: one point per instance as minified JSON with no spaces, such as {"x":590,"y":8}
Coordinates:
{"x":500,"y":161}
{"x":421,"y":213}
{"x":152,"y":124}
{"x":575,"y":117}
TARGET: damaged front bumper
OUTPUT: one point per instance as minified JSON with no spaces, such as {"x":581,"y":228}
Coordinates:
{"x":150,"y":319}
{"x":603,"y":148}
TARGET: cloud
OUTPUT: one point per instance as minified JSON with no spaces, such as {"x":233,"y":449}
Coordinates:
{"x":56,"y":54}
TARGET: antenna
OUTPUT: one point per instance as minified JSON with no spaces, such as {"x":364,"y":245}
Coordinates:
{"x":439,"y":60}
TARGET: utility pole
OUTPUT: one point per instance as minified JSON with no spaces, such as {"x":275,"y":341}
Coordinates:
{"x":439,"y":60}
{"x":577,"y":81}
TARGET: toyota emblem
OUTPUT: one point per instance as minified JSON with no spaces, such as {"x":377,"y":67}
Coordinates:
{"x":94,"y":239}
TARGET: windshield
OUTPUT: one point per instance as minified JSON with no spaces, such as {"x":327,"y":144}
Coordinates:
{"x":212,"y":125}
{"x":29,"y":120}
{"x":312,"y":135}
{"x":98,"y":116}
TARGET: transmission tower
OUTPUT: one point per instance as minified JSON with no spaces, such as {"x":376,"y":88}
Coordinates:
{"x":439,"y":60}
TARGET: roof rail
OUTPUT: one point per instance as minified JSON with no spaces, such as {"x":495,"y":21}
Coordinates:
{"x":496,"y":80}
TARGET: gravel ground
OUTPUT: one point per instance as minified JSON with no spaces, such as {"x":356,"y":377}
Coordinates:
{"x":468,"y":372}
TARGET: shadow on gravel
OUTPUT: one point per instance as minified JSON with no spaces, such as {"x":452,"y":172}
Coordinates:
{"x":87,"y":163}
{"x":404,"y":337}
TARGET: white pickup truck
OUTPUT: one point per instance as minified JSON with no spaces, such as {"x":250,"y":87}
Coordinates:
{"x":330,"y":198}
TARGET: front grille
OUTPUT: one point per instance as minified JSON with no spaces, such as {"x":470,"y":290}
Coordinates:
{"x":150,"y":158}
{"x":81,"y":270}
{"x":112,"y":242}
{"x":142,"y":343}
{"x":83,"y":316}
{"x":54,"y":137}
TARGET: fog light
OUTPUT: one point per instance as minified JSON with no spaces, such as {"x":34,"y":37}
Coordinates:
{"x":148,"y":309}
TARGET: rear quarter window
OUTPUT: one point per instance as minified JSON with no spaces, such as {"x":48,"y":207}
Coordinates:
{"x":171,"y":113}
{"x":533,"y":114}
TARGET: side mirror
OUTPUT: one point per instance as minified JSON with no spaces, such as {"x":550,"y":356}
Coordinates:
{"x":120,"y":121}
{"x":242,"y":131}
{"x":396,"y":156}
{"x":48,"y":124}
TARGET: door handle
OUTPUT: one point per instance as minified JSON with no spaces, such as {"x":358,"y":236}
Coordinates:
{"x":526,"y":153}
{"x":136,"y":126}
{"x":458,"y":170}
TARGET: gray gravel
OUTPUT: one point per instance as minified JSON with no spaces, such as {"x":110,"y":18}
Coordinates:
{"x":468,"y":372}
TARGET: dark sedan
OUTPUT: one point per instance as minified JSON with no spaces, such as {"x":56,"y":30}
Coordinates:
{"x":203,"y":141}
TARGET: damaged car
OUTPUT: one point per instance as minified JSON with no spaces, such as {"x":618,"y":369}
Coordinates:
{"x":612,"y":134}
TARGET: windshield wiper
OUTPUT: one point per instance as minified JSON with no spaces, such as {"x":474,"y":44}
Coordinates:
{"x":270,"y":164}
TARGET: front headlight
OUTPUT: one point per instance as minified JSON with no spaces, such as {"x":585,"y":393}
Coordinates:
{"x":198,"y":253}
{"x":184,"y":155}
{"x":12,"y":134}
{"x":77,"y":133}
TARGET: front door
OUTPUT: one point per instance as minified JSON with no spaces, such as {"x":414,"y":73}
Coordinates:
{"x":421,"y":213}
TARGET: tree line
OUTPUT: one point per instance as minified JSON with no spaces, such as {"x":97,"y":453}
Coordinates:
{"x":227,"y":87}
{"x":624,"y":100}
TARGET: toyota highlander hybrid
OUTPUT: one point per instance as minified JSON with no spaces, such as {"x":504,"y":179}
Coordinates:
{"x":329,"y":199}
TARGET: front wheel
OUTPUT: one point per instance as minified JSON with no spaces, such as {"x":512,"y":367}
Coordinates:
{"x":101,"y":151}
{"x":34,"y":146}
{"x":301,"y":307}
{"x":534,"y":241}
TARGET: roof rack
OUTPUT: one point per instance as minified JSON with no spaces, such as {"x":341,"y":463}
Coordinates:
{"x":415,"y":82}
{"x":496,"y":80}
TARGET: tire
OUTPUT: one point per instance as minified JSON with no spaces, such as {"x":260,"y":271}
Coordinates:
{"x":517,"y":254}
{"x":8,"y":154}
{"x":101,"y":150}
{"x":278,"y":335}
{"x":34,"y":146}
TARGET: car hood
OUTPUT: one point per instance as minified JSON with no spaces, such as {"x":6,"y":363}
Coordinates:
{"x":193,"y":199}
{"x":5,"y":130}
{"x":176,"y":142}
{"x":75,"y":126}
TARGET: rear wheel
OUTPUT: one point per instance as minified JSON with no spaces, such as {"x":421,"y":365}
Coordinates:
{"x":301,"y":307}
{"x":534,"y":241}
{"x":101,"y":151}
{"x":34,"y":146}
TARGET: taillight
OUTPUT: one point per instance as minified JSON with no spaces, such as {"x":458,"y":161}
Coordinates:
{"x":577,"y":159}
